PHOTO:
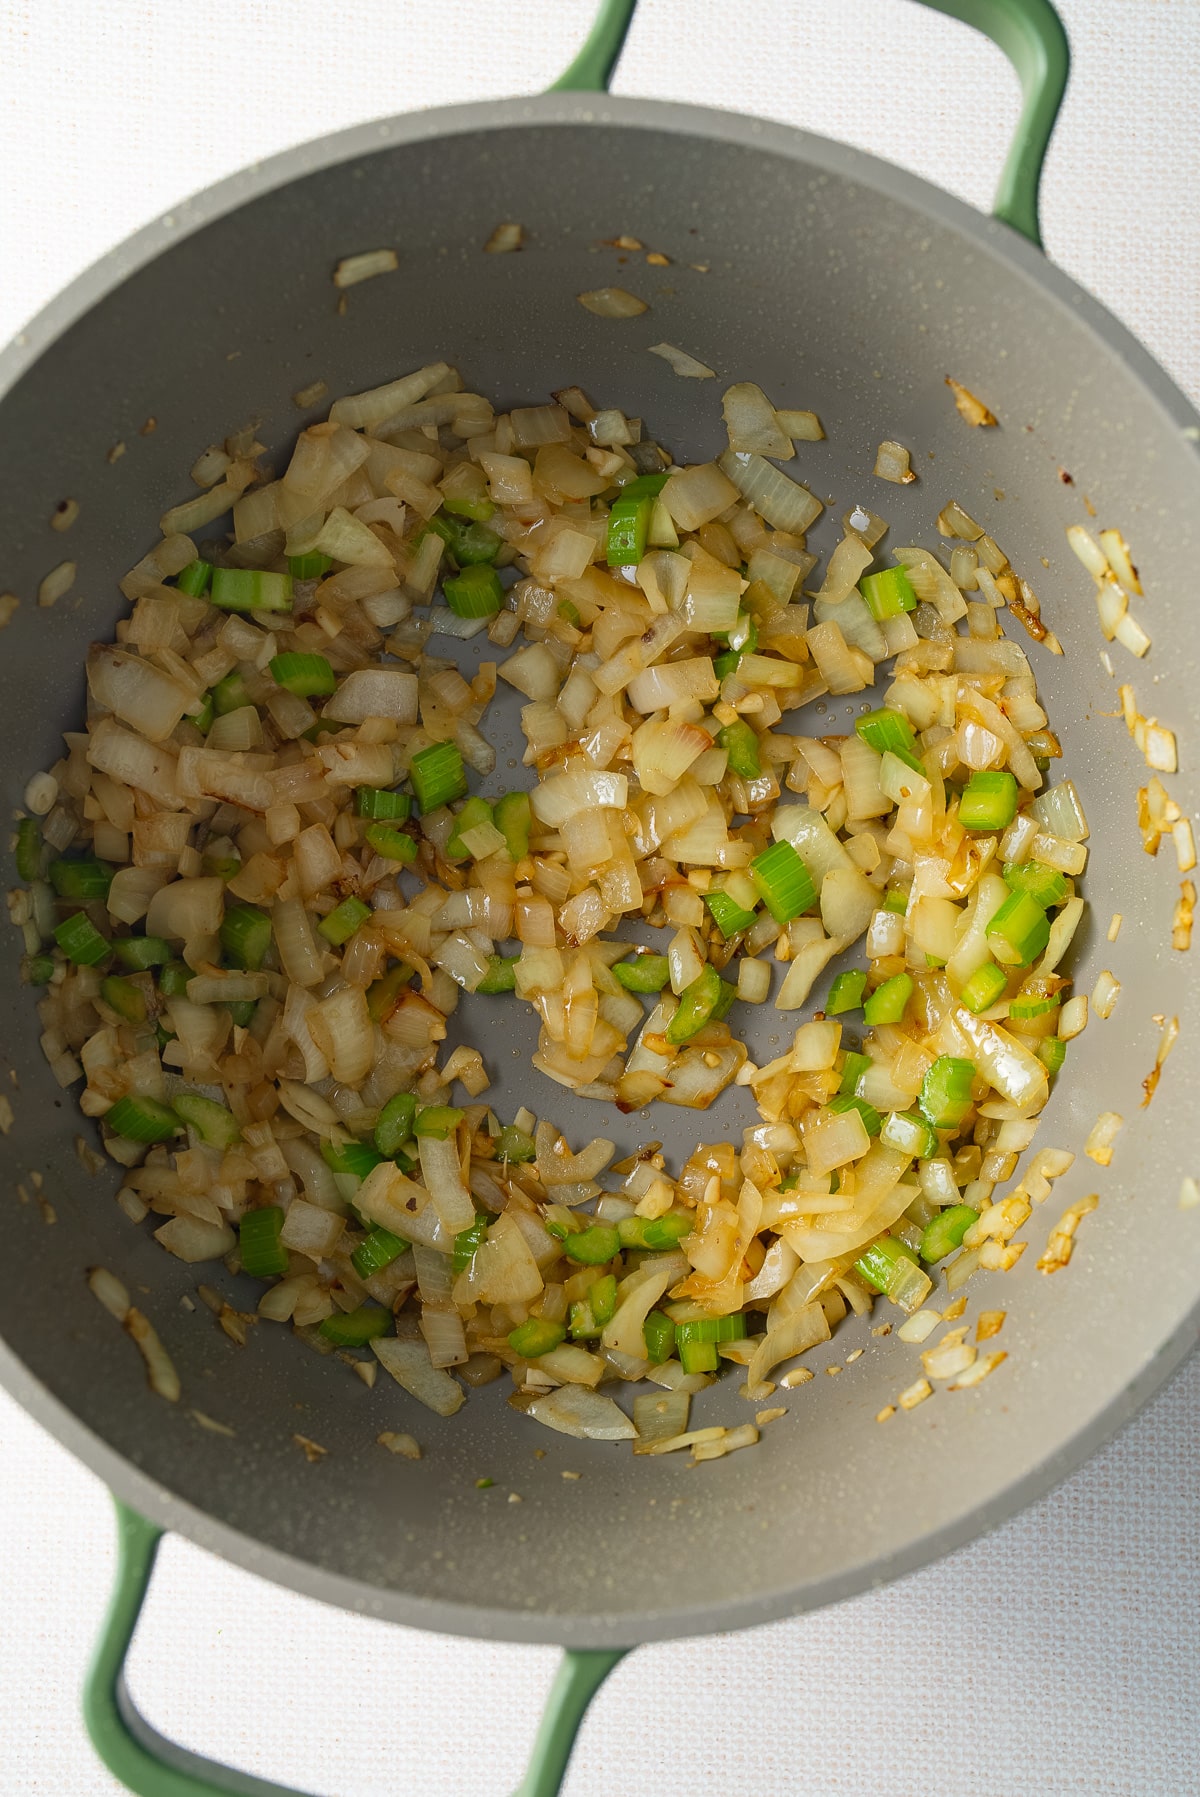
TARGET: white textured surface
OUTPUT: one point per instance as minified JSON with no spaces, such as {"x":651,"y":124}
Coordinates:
{"x":1058,"y":1655}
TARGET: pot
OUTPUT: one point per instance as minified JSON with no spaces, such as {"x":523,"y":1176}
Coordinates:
{"x":858,"y":288}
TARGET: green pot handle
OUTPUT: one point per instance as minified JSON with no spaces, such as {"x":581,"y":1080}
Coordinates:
{"x":150,"y":1765}
{"x":1029,"y":32}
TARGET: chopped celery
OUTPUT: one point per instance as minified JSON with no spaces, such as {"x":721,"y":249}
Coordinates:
{"x":308,"y":676}
{"x":847,"y":1101}
{"x":514,"y":818}
{"x":593,"y":1247}
{"x":194,"y":579}
{"x":846,"y":992}
{"x":394,"y":1124}
{"x":229,"y":694}
{"x":381,"y":805}
{"x":141,"y":1120}
{"x":142,"y":952}
{"x":887,"y":1004}
{"x":475,"y":593}
{"x":783,"y":881}
{"x":343,"y":920}
{"x":355,"y":1328}
{"x":712,"y":1329}
{"x":501,"y":975}
{"x":888,"y":593}
{"x":888,"y":731}
{"x":384,"y":995}
{"x":214,"y":1123}
{"x":437,"y":1121}
{"x":729,"y":916}
{"x":80,"y":940}
{"x":628,"y":528}
{"x":1045,"y":884}
{"x":474,"y":811}
{"x":985,"y":986}
{"x":989,"y":800}
{"x":741,"y":745}
{"x":657,"y":1233}
{"x":437,"y":775}
{"x":392,"y":845}
{"x":1019,"y":931}
{"x":30,"y":849}
{"x":946,"y":1231}
{"x":81,"y":880}
{"x":263,"y":1254}
{"x":643,"y":973}
{"x":909,"y":1134}
{"x":876,"y":1265}
{"x":468,"y":1242}
{"x":249,"y":589}
{"x":854,"y":1066}
{"x":469,"y":541}
{"x":659,"y":1333}
{"x":355,"y":1158}
{"x":699,"y":1003}
{"x":946,"y":1091}
{"x":126,"y":999}
{"x":246,"y":936}
{"x":310,"y":566}
{"x":377,"y":1251}
{"x":536,"y":1337}
{"x":513,"y":1144}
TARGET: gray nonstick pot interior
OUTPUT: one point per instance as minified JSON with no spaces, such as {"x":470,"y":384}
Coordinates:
{"x":838,"y":284}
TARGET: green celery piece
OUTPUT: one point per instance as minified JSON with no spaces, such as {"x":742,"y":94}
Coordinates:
{"x":659,"y":1333}
{"x":394,"y":1125}
{"x":740,"y":743}
{"x":888,"y":1002}
{"x":854,"y":1066}
{"x":643,"y":973}
{"x":628,"y":528}
{"x":30,"y":849}
{"x":355,"y":1328}
{"x":474,"y":811}
{"x":246,"y":936}
{"x":501,"y":975}
{"x":847,"y":1101}
{"x":989,"y":800}
{"x":1018,"y":931}
{"x":123,"y":997}
{"x":946,"y":1231}
{"x":263,"y":1254}
{"x":876,"y":1265}
{"x":846,"y":992}
{"x":513,"y":818}
{"x":392,"y":845}
{"x":784,"y":882}
{"x":438,"y":776}
{"x":697,"y":1003}
{"x":377,"y":1251}
{"x":946,"y":1091}
{"x":437,"y":1121}
{"x":513,"y":1144}
{"x":342,"y":922}
{"x":985,"y":986}
{"x":468,"y":1242}
{"x":80,"y":941}
{"x":595,"y":1246}
{"x":141,"y":1120}
{"x":536,"y":1337}
{"x":214,"y":1123}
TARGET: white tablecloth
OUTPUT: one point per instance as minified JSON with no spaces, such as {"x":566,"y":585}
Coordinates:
{"x":1058,"y":1655}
